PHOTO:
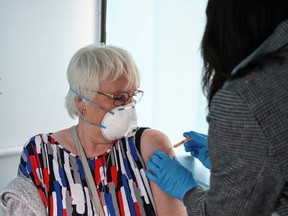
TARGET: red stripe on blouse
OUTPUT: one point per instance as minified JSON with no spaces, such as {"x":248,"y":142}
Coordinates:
{"x":121,"y":205}
{"x":43,"y":197}
{"x":114,"y":175}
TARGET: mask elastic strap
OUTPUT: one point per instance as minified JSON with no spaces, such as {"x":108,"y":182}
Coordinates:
{"x":91,"y":102}
{"x":89,"y":122}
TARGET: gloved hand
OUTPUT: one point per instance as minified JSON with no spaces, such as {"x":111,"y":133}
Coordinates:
{"x":170,"y":175}
{"x":197,"y":147}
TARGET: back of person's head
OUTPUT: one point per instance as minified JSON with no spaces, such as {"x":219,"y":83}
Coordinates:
{"x":234,"y":29}
{"x":95,"y":64}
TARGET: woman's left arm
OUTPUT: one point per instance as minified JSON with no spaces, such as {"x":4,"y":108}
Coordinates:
{"x":152,"y":140}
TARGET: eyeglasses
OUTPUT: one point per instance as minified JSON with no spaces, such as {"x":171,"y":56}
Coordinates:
{"x":120,"y":100}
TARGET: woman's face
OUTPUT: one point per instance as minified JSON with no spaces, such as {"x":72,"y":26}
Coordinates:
{"x":115,"y":88}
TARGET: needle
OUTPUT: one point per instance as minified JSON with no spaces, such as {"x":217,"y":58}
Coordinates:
{"x":181,"y":142}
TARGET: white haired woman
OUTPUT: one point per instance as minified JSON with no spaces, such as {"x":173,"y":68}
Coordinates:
{"x":97,"y":167}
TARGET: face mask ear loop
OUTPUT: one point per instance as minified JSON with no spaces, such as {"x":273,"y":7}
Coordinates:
{"x":91,"y":102}
{"x":89,"y":122}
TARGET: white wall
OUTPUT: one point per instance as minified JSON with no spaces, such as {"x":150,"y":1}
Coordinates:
{"x":37,"y":40}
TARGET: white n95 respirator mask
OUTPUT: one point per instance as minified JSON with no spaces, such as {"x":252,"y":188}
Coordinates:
{"x":119,"y":122}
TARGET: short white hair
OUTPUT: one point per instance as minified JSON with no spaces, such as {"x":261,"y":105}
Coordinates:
{"x":94,"y":64}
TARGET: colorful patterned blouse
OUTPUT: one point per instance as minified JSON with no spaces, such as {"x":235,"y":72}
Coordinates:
{"x":59,"y":177}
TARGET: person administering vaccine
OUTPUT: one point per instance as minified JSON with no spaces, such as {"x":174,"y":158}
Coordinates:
{"x":245,"y":53}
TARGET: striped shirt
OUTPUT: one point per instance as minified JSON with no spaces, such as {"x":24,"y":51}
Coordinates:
{"x":60,"y":180}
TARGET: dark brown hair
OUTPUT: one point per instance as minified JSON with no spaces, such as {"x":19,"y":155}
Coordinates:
{"x":234,"y":29}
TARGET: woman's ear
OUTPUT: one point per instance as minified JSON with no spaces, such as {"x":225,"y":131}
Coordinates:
{"x":80,"y":103}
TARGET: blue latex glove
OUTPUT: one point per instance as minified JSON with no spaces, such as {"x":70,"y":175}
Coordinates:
{"x":170,"y":175}
{"x":197,"y":147}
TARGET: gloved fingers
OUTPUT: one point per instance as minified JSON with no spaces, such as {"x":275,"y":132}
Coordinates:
{"x":195,"y":154}
{"x":151,"y":176}
{"x":153,"y":166}
{"x":197,"y":137}
{"x":156,"y":160}
{"x":194,"y":134}
{"x":188,"y":134}
{"x":160,"y":154}
{"x":192,"y":147}
{"x":195,"y":143}
{"x":193,"y":151}
{"x":160,"y":159}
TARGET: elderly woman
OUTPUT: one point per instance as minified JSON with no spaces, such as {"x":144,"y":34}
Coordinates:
{"x":97,"y":167}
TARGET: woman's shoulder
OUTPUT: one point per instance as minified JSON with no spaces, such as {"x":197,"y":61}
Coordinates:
{"x":39,"y":139}
{"x":154,"y":134}
{"x":58,"y":141}
{"x":152,"y":140}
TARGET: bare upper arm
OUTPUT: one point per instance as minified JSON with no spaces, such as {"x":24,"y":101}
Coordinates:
{"x":152,"y":140}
